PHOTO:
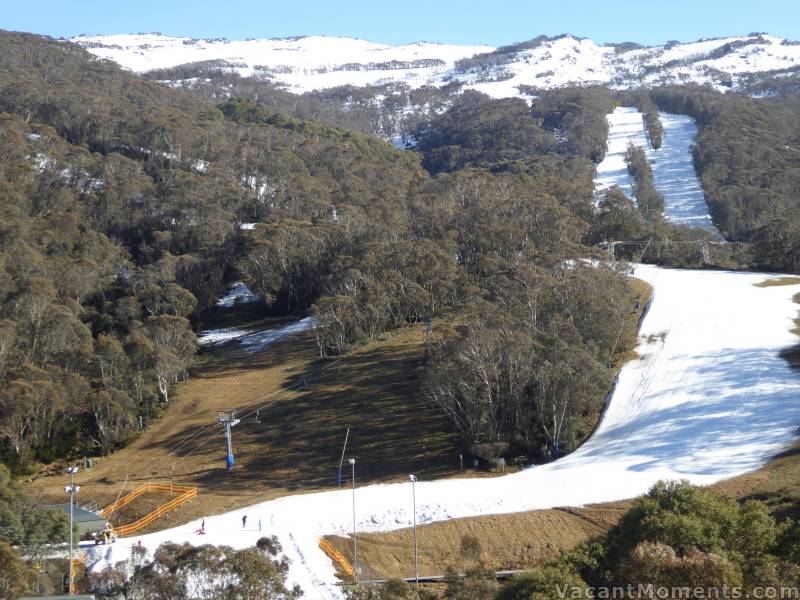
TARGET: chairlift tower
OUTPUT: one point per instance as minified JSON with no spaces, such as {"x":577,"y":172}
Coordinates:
{"x":228,"y":421}
{"x":427,"y":328}
{"x":705,"y":252}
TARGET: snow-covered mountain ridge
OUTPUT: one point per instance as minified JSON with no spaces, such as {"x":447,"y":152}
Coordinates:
{"x":317,"y":62}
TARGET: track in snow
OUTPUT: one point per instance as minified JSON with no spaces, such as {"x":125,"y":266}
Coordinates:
{"x":709,"y":399}
{"x":673,"y":167}
{"x":253,"y":340}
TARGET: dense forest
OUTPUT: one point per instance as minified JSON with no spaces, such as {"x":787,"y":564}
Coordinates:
{"x":137,"y":192}
{"x":648,"y":199}
{"x":123,"y":205}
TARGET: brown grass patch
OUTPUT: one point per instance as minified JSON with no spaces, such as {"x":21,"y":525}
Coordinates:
{"x":513,"y":541}
{"x":296,"y":443}
{"x":779,"y":281}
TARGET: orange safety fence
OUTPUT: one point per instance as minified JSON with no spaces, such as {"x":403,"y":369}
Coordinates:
{"x":336,"y":556}
{"x":186,"y":493}
{"x":145,"y":487}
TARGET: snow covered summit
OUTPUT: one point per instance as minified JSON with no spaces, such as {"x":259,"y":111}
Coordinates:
{"x":317,"y":62}
{"x":301,"y":63}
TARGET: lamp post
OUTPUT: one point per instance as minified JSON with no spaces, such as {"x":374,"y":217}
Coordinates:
{"x":413,"y":480}
{"x":352,"y":462}
{"x":71,"y":489}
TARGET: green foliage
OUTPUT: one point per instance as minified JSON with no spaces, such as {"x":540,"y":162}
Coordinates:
{"x":16,"y":577}
{"x":542,"y":583}
{"x":22,"y":523}
{"x":660,"y":566}
{"x":682,"y":535}
{"x":531,"y":370}
{"x":391,"y":590}
{"x":480,"y":132}
{"x":618,"y":218}
{"x":381,"y":110}
{"x":653,"y":128}
{"x":475,"y":584}
{"x":578,"y":117}
{"x":648,"y":199}
{"x":123,"y":202}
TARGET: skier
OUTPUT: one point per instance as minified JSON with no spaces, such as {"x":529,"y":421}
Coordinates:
{"x":259,"y":523}
{"x":244,"y":521}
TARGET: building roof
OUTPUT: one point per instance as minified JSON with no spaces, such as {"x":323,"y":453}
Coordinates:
{"x":64,"y":596}
{"x":79,"y":515}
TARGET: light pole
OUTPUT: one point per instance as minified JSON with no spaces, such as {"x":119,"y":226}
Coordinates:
{"x":71,"y":489}
{"x":352,"y":462}
{"x":413,"y":480}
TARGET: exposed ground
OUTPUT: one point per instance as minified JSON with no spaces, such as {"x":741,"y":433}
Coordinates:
{"x":297,"y":444}
{"x":512,"y":541}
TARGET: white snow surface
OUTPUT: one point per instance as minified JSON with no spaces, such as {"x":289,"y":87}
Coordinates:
{"x":708,"y":399}
{"x":302,"y":63}
{"x":256,"y":342}
{"x":221,"y":335}
{"x":239,"y":292}
{"x":250,"y":339}
{"x":673,"y":168}
{"x":624,"y":126}
{"x":318,"y":62}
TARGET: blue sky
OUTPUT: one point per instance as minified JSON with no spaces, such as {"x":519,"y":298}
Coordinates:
{"x":465,"y":21}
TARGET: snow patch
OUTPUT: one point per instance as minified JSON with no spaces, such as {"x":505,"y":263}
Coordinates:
{"x":256,"y":342}
{"x":239,"y":292}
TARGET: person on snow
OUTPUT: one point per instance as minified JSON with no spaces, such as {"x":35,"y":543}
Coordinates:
{"x":244,"y":521}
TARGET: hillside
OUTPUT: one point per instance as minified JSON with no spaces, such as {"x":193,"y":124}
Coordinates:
{"x":703,"y":402}
{"x":152,"y":201}
{"x":312,"y":63}
{"x":461,"y":294}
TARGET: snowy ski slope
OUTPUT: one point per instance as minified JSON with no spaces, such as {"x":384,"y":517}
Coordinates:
{"x":624,"y":126}
{"x":709,"y":399}
{"x":673,"y":168}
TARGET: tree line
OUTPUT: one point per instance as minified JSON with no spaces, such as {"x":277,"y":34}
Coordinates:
{"x":648,"y":199}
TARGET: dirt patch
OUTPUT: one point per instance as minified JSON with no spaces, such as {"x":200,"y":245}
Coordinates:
{"x":778,"y":282}
{"x":513,"y":541}
{"x":294,"y":442}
